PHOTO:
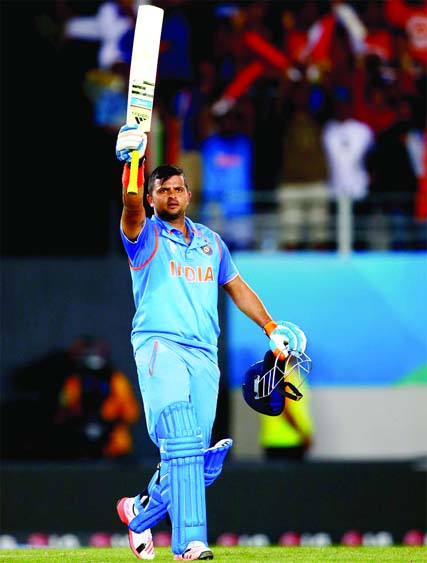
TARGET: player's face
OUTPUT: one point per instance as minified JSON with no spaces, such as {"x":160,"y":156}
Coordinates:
{"x":170,"y":198}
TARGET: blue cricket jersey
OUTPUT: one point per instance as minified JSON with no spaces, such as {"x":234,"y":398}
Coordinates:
{"x":175,"y":285}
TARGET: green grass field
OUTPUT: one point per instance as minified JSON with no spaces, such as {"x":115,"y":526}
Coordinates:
{"x":393,"y":554}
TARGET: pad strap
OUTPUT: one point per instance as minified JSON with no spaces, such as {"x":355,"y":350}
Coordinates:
{"x":214,"y":459}
{"x":151,"y":505}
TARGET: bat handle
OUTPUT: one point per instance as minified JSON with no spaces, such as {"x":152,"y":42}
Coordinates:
{"x":133,"y":178}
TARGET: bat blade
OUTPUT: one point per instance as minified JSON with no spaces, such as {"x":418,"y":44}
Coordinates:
{"x":143,"y":68}
{"x":142,"y":76}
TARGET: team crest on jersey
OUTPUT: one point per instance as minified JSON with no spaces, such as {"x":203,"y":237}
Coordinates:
{"x":172,"y":246}
{"x":207,"y":249}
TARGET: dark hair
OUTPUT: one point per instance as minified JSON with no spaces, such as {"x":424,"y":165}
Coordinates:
{"x":163,"y":173}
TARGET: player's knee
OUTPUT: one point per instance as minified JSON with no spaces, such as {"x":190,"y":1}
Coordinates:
{"x":178,"y":432}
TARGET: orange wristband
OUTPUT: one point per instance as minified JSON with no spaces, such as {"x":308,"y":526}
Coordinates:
{"x":269,"y":327}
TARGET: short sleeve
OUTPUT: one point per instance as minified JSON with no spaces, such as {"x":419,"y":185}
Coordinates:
{"x":227,"y":268}
{"x":140,"y":250}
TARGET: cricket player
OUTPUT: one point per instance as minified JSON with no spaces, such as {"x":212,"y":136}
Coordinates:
{"x":176,"y":267}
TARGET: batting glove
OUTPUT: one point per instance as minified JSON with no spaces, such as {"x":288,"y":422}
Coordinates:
{"x":285,"y":338}
{"x":129,"y":139}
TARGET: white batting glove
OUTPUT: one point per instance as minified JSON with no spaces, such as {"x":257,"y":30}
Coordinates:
{"x":285,"y":338}
{"x":129,"y":139}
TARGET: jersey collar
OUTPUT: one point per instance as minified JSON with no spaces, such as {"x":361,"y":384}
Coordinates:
{"x":196,"y":237}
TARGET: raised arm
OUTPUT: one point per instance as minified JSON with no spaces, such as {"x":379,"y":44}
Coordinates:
{"x":133,"y":212}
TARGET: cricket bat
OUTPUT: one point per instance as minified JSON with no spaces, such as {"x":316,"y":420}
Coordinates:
{"x":142,"y":76}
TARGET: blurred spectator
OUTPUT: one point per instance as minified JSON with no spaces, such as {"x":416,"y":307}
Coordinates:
{"x":108,"y":91}
{"x":378,"y":42}
{"x":303,"y":189}
{"x":96,"y":406}
{"x":289,"y":436}
{"x":175,"y":67}
{"x":175,"y":71}
{"x":321,"y":37}
{"x":260,"y":65}
{"x":227,"y":181}
{"x":224,"y":38}
{"x":192,"y":107}
{"x":28,"y":412}
{"x":347,"y":142}
{"x":372,"y":100}
{"x":419,"y":150}
{"x":410,"y":16}
{"x":374,"y":72}
{"x":254,"y":57}
{"x":307,"y":37}
{"x":394,"y":183}
{"x":71,"y":404}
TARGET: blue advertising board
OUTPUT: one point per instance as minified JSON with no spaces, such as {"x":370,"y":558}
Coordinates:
{"x":365,"y":315}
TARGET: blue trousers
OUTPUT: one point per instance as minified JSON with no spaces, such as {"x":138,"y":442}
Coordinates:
{"x":170,"y":372}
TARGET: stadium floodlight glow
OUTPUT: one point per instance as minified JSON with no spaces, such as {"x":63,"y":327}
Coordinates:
{"x":268,"y":382}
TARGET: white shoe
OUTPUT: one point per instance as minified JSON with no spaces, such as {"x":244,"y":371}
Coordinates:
{"x":141,"y":544}
{"x":196,"y":550}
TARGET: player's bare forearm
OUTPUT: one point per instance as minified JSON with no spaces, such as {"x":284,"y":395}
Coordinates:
{"x":247,"y":301}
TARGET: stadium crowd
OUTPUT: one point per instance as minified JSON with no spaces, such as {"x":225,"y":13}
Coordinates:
{"x":277,"y":110}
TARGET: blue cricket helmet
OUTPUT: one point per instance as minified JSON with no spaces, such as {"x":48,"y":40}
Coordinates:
{"x":268,"y":382}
